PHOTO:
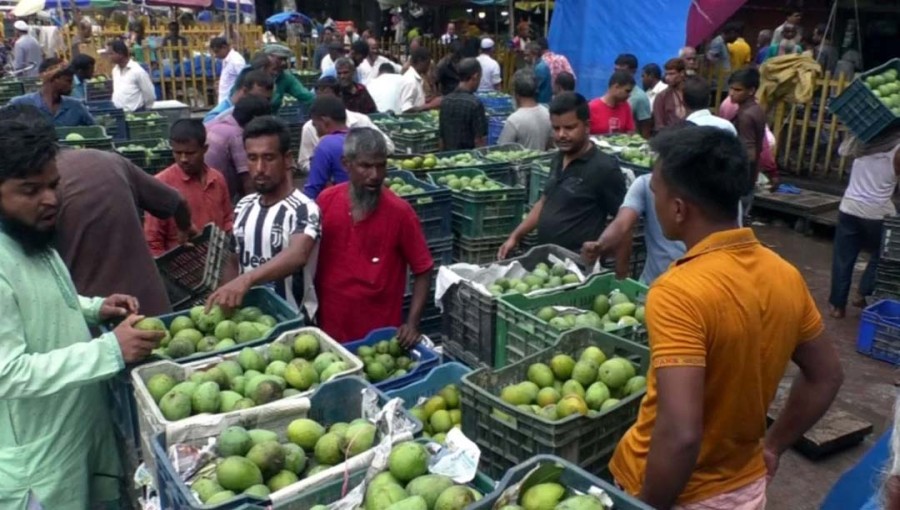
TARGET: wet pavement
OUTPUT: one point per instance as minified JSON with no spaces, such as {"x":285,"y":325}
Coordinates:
{"x":868,"y":391}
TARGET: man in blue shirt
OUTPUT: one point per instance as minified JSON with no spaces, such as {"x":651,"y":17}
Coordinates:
{"x":53,"y":98}
{"x":326,"y":167}
{"x":83,"y":67}
{"x":533,"y":53}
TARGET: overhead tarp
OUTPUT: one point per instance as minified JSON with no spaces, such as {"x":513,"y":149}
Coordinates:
{"x":287,"y":17}
{"x":247,"y":6}
{"x":25,"y":8}
{"x":591,"y":33}
{"x":706,"y":16}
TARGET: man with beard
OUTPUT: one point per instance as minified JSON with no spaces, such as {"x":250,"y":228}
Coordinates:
{"x":355,"y":96}
{"x":373,"y":237}
{"x":585,"y":186}
{"x":276,"y":228}
{"x":57,"y":446}
{"x":53,"y":99}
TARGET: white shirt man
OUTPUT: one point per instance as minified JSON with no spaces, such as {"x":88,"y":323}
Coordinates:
{"x":368,"y":70}
{"x":653,"y":92}
{"x":231,"y":68}
{"x":132,"y":87}
{"x":412,"y":91}
{"x":490,"y":69}
{"x":326,"y":64}
{"x":385,"y":91}
{"x":706,"y":118}
{"x":309,"y":138}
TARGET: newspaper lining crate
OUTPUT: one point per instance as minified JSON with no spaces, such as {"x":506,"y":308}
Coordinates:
{"x":521,"y":333}
{"x":507,"y":435}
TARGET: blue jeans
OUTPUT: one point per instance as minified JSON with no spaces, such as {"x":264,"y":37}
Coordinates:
{"x":852,"y":235}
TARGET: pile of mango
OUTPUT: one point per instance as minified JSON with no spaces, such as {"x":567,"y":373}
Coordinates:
{"x":401,"y":188}
{"x":466,"y":183}
{"x":508,"y":156}
{"x":542,"y":277}
{"x":440,"y":413}
{"x":385,"y":360}
{"x":609,"y":313}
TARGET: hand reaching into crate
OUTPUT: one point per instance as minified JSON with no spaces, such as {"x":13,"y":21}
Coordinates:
{"x":118,"y":305}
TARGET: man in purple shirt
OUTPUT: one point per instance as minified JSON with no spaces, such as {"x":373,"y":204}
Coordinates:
{"x":224,"y":137}
{"x":329,"y":117}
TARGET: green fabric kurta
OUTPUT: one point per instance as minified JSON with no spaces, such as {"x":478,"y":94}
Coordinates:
{"x":57,"y":445}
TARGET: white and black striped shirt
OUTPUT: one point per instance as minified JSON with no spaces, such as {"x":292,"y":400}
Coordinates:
{"x":262,"y":232}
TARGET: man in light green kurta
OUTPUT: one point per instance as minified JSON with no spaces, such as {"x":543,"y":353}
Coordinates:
{"x":57,"y":446}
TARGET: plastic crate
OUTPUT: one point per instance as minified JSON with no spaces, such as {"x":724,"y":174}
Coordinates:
{"x":521,"y":333}
{"x":147,"y":126}
{"x":537,"y":181}
{"x":482,"y":250}
{"x":93,"y":137}
{"x":864,"y":113}
{"x":31,"y":84}
{"x":485,"y":153}
{"x":294,"y":112}
{"x":320,"y":406}
{"x":308,"y":78}
{"x":496,"y":102}
{"x":572,"y":477}
{"x":111,"y":118}
{"x":10,"y":89}
{"x":425,"y":141}
{"x":470,"y":317}
{"x":433,"y":206}
{"x":431,"y":384}
{"x":153,"y":156}
{"x":516,"y":436}
{"x":424,"y":356}
{"x":195,"y":268}
{"x":879,"y":331}
{"x":98,"y":90}
{"x":890,"y":239}
{"x":495,"y":127}
{"x":123,"y":409}
{"x":479,"y":214}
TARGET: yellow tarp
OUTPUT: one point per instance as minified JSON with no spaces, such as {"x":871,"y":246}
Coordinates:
{"x":790,"y":78}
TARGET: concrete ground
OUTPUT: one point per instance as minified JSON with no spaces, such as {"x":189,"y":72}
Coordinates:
{"x":868,"y":391}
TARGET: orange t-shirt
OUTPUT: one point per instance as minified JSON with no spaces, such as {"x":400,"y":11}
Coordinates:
{"x":739,"y":310}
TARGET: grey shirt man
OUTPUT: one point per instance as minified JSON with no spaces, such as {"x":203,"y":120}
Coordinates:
{"x":27,"y":52}
{"x":529,"y":127}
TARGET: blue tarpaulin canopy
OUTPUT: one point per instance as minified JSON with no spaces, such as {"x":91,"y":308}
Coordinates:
{"x":591,"y":34}
{"x":247,"y":6}
{"x":287,"y":17}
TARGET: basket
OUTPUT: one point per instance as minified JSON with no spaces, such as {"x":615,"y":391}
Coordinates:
{"x":470,"y":317}
{"x":193,"y":271}
{"x":537,"y":181}
{"x":99,"y":90}
{"x":152,"y":421}
{"x":147,"y":126}
{"x":890,"y":239}
{"x":481,"y":250}
{"x":861,"y":110}
{"x":495,"y":127}
{"x":424,"y":356}
{"x":483,"y":213}
{"x":433,"y":206}
{"x":496,"y":102}
{"x":293,"y":112}
{"x":431,"y":384}
{"x":320,"y":406}
{"x":572,"y":477}
{"x":424,"y":141}
{"x":308,"y":78}
{"x":93,"y":137}
{"x":111,"y":118}
{"x":515,"y":436}
{"x":879,"y":331}
{"x":521,"y":333}
{"x":10,"y":89}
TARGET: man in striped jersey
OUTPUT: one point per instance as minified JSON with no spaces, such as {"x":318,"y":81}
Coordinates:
{"x":276,"y":228}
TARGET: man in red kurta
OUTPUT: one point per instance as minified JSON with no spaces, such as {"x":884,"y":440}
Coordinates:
{"x":370,"y":237}
{"x":204,"y":188}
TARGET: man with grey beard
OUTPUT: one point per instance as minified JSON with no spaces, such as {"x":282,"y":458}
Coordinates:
{"x":370,"y":238}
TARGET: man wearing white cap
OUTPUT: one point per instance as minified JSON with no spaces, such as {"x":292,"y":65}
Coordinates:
{"x":490,"y":69}
{"x":27,"y":52}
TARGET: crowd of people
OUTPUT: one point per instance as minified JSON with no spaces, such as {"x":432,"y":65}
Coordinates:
{"x":725,"y":314}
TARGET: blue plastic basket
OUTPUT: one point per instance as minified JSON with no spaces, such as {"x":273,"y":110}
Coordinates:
{"x":879,"y":331}
{"x":434,"y":206}
{"x":864,"y":114}
{"x":335,"y":401}
{"x":495,"y":127}
{"x":498,"y":103}
{"x":861,"y":484}
{"x":573,"y":478}
{"x":426,"y":358}
{"x":107,"y":115}
{"x":440,"y":376}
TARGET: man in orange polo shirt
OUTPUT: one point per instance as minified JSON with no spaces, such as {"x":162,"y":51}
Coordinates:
{"x":724,"y":321}
{"x":204,"y":188}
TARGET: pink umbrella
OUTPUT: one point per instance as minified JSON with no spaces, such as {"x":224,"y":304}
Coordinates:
{"x":705,"y":16}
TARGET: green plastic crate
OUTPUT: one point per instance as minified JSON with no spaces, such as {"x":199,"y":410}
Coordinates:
{"x":93,"y":137}
{"x":508,"y":436}
{"x":424,"y":141}
{"x":147,"y":126}
{"x":478,"y":214}
{"x":521,"y":333}
{"x":537,"y":181}
{"x":153,"y":156}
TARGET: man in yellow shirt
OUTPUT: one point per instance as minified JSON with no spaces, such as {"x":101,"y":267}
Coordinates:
{"x":724,"y":321}
{"x":738,"y":49}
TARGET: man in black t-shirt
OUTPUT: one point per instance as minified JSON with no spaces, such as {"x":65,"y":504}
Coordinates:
{"x":585,"y":187}
{"x":463,"y":124}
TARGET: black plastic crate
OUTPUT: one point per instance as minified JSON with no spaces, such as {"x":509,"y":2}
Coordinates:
{"x":470,"y":317}
{"x":508,"y":436}
{"x":481,"y":250}
{"x":294,"y":112}
{"x":99,"y":89}
{"x":111,"y":118}
{"x":433,"y":205}
{"x":864,"y":114}
{"x":196,"y":268}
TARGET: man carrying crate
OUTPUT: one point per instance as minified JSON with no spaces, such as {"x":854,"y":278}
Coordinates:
{"x":57,"y":446}
{"x":723,"y":323}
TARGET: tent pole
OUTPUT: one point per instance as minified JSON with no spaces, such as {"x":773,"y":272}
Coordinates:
{"x":546,"y":17}
{"x":512,"y":18}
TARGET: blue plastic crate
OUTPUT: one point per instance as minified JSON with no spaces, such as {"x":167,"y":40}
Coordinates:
{"x":440,"y":376}
{"x":865,"y":115}
{"x":294,"y":113}
{"x":434,"y":206}
{"x":123,"y":411}
{"x":111,"y":118}
{"x":175,"y":494}
{"x":496,"y":102}
{"x":495,"y":127}
{"x":426,"y":358}
{"x":879,"y":331}
{"x":572,"y":477}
